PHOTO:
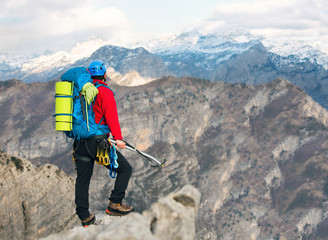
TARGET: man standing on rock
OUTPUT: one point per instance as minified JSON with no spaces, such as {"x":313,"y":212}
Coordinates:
{"x":85,"y":151}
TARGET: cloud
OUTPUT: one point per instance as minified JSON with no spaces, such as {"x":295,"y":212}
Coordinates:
{"x":34,"y":26}
{"x":37,"y":25}
{"x":301,"y":19}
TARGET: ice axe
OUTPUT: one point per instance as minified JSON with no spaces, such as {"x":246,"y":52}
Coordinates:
{"x":150,"y":158}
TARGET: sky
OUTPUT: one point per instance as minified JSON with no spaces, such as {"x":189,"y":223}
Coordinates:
{"x":40,"y":26}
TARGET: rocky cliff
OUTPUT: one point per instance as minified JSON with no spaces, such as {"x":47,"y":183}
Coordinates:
{"x":257,"y":153}
{"x":172,"y":217}
{"x":27,"y":129}
{"x":34,"y":202}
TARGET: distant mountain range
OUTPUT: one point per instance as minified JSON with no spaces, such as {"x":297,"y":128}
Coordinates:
{"x":236,"y":57}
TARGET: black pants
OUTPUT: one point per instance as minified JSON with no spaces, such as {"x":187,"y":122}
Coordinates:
{"x":84,"y":169}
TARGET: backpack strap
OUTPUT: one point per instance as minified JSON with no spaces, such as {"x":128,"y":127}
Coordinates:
{"x":97,"y":85}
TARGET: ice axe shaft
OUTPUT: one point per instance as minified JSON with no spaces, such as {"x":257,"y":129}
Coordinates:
{"x":146,"y":155}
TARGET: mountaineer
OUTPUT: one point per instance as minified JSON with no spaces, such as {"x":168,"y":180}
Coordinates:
{"x":87,"y":150}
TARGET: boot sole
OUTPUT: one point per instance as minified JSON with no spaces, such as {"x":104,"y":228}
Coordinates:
{"x":90,"y":222}
{"x":115,"y":213}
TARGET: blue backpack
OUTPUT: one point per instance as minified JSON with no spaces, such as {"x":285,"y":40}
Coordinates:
{"x":82,"y":114}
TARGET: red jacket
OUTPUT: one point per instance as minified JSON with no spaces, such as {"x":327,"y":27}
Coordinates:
{"x":105,"y":106}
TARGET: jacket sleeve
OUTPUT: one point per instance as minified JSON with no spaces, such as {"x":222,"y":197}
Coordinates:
{"x":109,"y":112}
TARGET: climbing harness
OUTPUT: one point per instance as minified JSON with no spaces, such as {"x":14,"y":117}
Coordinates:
{"x":106,"y":153}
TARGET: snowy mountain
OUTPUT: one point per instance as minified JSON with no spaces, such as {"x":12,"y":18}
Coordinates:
{"x":236,"y":56}
{"x":220,"y":47}
{"x":237,"y":39}
{"x":45,"y":67}
{"x":240,"y":57}
{"x":125,"y":60}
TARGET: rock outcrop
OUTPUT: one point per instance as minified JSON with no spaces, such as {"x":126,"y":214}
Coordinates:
{"x":172,"y":217}
{"x":34,"y":202}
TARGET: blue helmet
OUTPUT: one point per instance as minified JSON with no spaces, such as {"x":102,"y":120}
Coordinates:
{"x":97,"y":68}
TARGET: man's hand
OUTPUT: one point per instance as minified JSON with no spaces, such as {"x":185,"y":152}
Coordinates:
{"x":120,"y":144}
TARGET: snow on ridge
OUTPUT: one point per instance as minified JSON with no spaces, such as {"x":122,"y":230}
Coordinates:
{"x":302,"y":49}
{"x":236,"y":40}
{"x":61,"y":58}
{"x":196,"y":42}
{"x":12,"y":61}
{"x":283,"y":47}
{"x":231,"y":42}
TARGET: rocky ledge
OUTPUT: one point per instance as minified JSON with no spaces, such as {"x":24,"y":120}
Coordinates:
{"x":171,"y":217}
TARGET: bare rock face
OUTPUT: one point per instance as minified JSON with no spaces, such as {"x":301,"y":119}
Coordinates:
{"x":172,"y":217}
{"x":258,"y":154}
{"x":27,"y":125}
{"x":34,"y":202}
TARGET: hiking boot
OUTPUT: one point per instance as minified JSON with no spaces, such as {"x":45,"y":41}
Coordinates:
{"x":118,"y":209}
{"x":88,"y":221}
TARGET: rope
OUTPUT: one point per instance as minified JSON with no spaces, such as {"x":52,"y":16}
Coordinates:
{"x":89,"y":91}
{"x":113,"y":162}
{"x":86,"y":110}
